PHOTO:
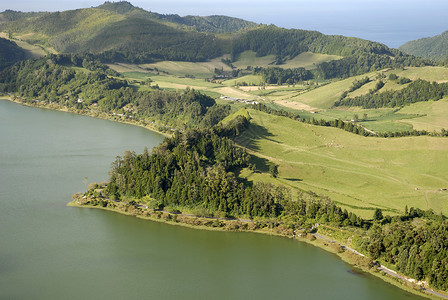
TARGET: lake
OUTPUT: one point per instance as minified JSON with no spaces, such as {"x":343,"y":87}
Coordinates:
{"x":51,"y":251}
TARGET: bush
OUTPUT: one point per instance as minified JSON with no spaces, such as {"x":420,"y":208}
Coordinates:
{"x":404,"y":80}
{"x":393,"y":77}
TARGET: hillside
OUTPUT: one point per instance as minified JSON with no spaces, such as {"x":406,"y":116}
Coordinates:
{"x":9,"y":53}
{"x":121,"y":32}
{"x":215,"y":24}
{"x":435,"y":48}
{"x":360,"y":173}
{"x":115,"y":36}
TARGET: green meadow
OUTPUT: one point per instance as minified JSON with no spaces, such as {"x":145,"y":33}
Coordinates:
{"x":359,"y":173}
{"x":306,"y":60}
{"x":432,"y":115}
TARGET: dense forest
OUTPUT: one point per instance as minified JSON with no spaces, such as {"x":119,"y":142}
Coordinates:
{"x":198,"y":170}
{"x":435,"y":48}
{"x":53,"y":80}
{"x":417,"y":91}
{"x":10,"y":53}
{"x":277,"y":75}
{"x":415,"y":243}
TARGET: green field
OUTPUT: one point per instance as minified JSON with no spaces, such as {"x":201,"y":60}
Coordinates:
{"x":359,"y":173}
{"x":181,"y":68}
{"x":251,"y":80}
{"x":434,"y":115}
{"x":310,"y":99}
{"x":306,"y":60}
{"x":32,"y":51}
{"x":324,"y":96}
{"x":438,"y":74}
{"x":206,"y":69}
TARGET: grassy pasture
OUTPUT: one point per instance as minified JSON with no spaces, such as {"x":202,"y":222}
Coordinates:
{"x":434,"y":115}
{"x":309,"y":60}
{"x":305,"y":99}
{"x":249,"y":58}
{"x":323,"y":97}
{"x":438,"y":74}
{"x":359,"y":173}
{"x":306,"y":60}
{"x":32,"y":51}
{"x":181,"y":68}
{"x":206,"y":69}
{"x":249,"y":79}
{"x":136,"y":75}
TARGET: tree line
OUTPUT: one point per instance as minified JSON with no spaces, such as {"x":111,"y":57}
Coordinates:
{"x":199,"y":169}
{"x":349,"y":126}
{"x":417,"y":91}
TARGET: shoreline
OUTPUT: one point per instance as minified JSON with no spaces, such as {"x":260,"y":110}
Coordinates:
{"x":345,"y":253}
{"x":89,"y":113}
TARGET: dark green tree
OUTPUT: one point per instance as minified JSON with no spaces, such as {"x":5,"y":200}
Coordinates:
{"x":273,"y":170}
{"x":378,"y":215}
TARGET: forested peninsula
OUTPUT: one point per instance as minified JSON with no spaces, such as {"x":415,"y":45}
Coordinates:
{"x":197,"y":172}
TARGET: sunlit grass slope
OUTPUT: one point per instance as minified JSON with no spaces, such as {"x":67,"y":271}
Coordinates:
{"x":359,"y":173}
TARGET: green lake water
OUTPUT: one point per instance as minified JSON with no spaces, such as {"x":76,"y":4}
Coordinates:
{"x":51,"y":251}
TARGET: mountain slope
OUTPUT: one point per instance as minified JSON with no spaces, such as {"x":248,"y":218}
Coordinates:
{"x":435,"y":48}
{"x":360,"y":56}
{"x":132,"y":37}
{"x":120,"y":32}
{"x":215,"y":24}
{"x":10,"y":53}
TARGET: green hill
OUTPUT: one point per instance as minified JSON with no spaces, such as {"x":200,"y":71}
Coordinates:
{"x":121,"y":32}
{"x":115,"y":36}
{"x":215,"y":24}
{"x":359,"y":173}
{"x":432,"y":47}
{"x":11,"y":15}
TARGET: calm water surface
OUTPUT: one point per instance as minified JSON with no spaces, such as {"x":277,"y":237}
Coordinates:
{"x":51,"y":251}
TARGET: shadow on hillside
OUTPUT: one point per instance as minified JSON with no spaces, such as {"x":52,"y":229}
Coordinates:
{"x":261,"y":164}
{"x":253,"y":134}
{"x":294,"y":179}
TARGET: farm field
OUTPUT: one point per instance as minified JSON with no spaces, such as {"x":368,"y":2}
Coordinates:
{"x":323,"y":97}
{"x":359,"y":173}
{"x":206,"y":69}
{"x":305,"y":60}
{"x":311,"y":99}
{"x":434,"y":115}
